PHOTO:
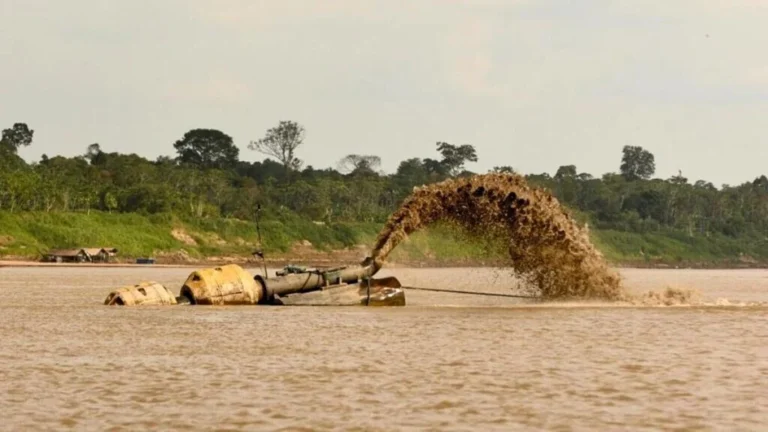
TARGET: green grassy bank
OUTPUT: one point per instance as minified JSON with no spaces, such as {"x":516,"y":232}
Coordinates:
{"x":169,"y":238}
{"x":135,"y":235}
{"x":675,"y":248}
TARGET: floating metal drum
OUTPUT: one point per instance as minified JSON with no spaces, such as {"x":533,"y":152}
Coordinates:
{"x":145,"y":293}
{"x":225,"y":285}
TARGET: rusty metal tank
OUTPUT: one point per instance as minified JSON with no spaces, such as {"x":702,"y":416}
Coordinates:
{"x":225,"y":285}
{"x":145,"y":293}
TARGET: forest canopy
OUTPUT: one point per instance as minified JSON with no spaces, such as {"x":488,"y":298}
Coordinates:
{"x":206,"y":178}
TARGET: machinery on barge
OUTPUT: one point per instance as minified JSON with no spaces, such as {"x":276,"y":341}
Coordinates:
{"x":292,"y":286}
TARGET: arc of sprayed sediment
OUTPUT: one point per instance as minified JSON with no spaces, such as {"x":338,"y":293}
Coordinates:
{"x":545,"y":245}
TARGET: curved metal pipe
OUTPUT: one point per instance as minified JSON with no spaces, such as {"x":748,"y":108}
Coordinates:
{"x":305,"y":282}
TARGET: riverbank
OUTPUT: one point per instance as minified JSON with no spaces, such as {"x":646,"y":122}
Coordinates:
{"x":25,"y":237}
{"x":435,"y":264}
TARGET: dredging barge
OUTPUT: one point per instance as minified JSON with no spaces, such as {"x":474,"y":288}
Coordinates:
{"x":293,"y":286}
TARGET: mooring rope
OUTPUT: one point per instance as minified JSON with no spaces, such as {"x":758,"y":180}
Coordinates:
{"x":368,"y":292}
{"x":487,"y":294}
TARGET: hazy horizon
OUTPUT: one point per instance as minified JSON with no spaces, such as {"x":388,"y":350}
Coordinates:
{"x":531,"y":84}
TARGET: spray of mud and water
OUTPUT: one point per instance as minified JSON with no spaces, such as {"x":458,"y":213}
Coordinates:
{"x":546,"y":247}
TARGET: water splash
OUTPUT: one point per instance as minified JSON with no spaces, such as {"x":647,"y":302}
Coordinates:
{"x":671,"y":296}
{"x":545,"y":246}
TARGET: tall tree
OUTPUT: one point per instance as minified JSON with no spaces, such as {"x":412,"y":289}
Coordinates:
{"x":359,"y":164}
{"x":566,"y":185}
{"x":207,"y":148}
{"x":504,"y":169}
{"x":566,"y":171}
{"x":17,"y":136}
{"x":95,"y":155}
{"x":281,"y":143}
{"x":678,"y":179}
{"x":637,"y":163}
{"x":436,"y":169}
{"x":454,"y":157}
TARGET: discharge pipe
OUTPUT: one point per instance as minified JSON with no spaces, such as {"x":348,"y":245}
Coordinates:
{"x":315,"y":280}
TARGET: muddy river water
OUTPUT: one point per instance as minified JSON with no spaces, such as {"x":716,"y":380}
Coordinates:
{"x":444,"y":362}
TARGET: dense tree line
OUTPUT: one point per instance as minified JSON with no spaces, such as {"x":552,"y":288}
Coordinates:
{"x":206,"y":178}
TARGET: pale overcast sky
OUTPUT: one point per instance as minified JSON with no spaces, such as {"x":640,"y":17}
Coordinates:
{"x":531,"y":84}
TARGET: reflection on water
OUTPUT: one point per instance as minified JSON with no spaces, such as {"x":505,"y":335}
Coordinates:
{"x":68,"y":361}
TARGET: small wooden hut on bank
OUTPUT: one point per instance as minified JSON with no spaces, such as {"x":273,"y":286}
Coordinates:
{"x":66,"y":255}
{"x":81,"y":255}
{"x":100,"y":254}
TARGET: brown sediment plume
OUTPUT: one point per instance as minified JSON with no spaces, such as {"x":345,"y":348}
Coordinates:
{"x":545,"y":246}
{"x":671,"y":296}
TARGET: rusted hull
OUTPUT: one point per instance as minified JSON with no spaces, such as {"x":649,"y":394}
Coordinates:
{"x":381,"y":292}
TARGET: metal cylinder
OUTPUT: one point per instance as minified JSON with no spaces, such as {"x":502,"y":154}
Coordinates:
{"x":351,"y":274}
{"x":225,"y":285}
{"x":315,"y":280}
{"x":289,"y":284}
{"x":145,"y":293}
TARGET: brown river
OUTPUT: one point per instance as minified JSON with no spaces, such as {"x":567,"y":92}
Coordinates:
{"x":444,"y":362}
